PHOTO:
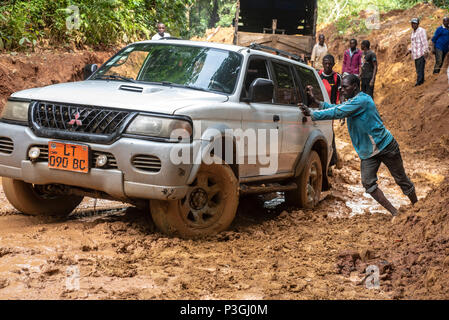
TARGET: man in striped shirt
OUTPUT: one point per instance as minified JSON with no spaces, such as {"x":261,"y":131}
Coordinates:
{"x":419,"y":50}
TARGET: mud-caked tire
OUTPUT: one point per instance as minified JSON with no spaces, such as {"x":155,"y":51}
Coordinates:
{"x":27,"y":199}
{"x":208,"y":208}
{"x":309,"y":182}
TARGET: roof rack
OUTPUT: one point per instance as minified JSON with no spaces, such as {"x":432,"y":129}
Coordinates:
{"x":289,"y":55}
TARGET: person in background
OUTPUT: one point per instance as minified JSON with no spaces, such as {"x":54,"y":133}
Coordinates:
{"x":332,"y":83}
{"x":372,"y":141}
{"x":369,"y":69}
{"x":160,"y":32}
{"x":352,"y":59}
{"x":419,"y":50}
{"x":318,"y":53}
{"x":441,"y":44}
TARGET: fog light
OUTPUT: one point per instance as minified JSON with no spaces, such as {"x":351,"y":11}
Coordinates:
{"x":102,"y":160}
{"x":34,"y":153}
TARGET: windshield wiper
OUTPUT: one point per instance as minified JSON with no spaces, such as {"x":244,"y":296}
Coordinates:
{"x":115,"y":77}
{"x":177,"y":85}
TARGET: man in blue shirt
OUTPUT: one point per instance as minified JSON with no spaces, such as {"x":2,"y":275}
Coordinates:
{"x":372,"y":141}
{"x":441,"y":44}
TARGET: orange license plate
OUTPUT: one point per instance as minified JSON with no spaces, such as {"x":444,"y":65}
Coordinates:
{"x":67,"y":156}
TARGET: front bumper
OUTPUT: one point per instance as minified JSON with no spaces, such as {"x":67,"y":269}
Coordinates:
{"x":169,"y":183}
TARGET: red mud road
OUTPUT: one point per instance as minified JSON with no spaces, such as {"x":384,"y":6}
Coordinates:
{"x":270,"y":252}
{"x":109,"y":250}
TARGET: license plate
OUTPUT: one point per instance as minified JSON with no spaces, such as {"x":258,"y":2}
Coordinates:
{"x":67,"y":156}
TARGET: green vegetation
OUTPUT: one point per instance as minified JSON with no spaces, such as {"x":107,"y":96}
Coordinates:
{"x":25,"y":24}
{"x":346,"y":13}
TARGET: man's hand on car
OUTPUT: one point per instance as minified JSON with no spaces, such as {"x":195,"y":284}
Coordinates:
{"x":305,"y":109}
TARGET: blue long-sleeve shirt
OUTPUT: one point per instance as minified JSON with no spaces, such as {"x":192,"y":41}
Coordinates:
{"x":441,"y":39}
{"x":368,"y":133}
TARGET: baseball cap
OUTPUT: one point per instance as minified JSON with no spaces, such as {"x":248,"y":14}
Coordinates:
{"x":414,"y":20}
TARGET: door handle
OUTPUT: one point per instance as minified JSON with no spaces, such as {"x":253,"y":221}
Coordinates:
{"x":276,"y":118}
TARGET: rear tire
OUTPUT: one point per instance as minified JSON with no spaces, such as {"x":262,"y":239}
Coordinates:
{"x":26,"y":198}
{"x":209,"y":206}
{"x":309,"y":182}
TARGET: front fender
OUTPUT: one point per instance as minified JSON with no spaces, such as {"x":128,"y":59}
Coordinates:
{"x":207,"y":143}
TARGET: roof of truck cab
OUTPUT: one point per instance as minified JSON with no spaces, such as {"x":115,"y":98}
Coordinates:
{"x":223,"y":46}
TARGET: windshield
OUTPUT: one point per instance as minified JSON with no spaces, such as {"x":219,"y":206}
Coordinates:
{"x":168,"y":64}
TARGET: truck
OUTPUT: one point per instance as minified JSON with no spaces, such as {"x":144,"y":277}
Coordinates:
{"x":287,"y":25}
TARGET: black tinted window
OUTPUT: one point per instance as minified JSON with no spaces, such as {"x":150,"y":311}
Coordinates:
{"x":307,"y":78}
{"x":285,"y":88}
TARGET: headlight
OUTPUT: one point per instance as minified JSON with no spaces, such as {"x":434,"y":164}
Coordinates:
{"x":173,"y":129}
{"x":15,"y":110}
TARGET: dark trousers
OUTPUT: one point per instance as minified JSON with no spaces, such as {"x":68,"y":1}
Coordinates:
{"x":391,"y":157}
{"x":367,"y":88}
{"x":439,"y":60}
{"x":420,"y":65}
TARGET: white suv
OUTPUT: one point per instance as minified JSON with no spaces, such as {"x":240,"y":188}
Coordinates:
{"x":189,"y":126}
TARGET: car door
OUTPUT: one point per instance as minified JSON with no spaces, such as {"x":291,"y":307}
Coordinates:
{"x":288,"y":95}
{"x":307,"y":76}
{"x":260,"y":120}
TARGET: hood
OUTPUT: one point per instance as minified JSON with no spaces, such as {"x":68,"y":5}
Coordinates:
{"x":122,"y":95}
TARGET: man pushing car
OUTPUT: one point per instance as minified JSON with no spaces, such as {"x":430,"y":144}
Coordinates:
{"x":372,"y":141}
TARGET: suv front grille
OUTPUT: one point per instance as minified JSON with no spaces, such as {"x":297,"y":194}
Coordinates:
{"x":84,"y":123}
{"x":6,"y":145}
{"x":112,"y":162}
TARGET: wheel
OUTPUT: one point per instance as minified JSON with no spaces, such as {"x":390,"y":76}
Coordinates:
{"x":309,"y":183}
{"x":208,"y":208}
{"x":27,"y":199}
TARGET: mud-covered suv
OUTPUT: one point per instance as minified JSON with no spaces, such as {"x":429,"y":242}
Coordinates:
{"x":186,"y":126}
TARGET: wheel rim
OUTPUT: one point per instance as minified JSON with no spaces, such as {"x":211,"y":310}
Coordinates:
{"x":204,"y":202}
{"x":313,"y":184}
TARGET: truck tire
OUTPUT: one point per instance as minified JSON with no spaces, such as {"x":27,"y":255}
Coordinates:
{"x":208,"y":208}
{"x":26,"y":199}
{"x":309,"y":182}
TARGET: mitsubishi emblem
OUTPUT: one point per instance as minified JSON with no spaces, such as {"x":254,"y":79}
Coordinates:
{"x":75,"y":121}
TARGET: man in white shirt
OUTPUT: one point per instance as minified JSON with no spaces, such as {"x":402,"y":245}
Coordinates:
{"x":419,"y":49}
{"x":160,"y":32}
{"x":318,"y":53}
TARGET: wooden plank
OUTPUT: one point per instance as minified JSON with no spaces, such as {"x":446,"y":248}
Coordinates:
{"x":291,"y":43}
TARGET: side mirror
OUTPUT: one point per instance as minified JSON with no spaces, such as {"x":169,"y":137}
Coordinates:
{"x":261,"y":90}
{"x":89,"y":69}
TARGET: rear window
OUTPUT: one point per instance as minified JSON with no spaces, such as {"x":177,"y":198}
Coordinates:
{"x":307,"y":78}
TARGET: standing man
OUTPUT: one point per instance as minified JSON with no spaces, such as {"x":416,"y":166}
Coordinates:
{"x":318,"y":53}
{"x":352,"y":59}
{"x":419,"y":50}
{"x":369,"y":69}
{"x":332,"y":83}
{"x":441,"y":44}
{"x":372,"y":141}
{"x":160,"y":32}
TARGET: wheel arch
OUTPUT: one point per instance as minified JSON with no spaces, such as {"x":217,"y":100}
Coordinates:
{"x":317,"y":142}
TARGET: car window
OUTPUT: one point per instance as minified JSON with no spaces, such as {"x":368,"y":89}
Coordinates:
{"x":257,"y":68}
{"x":285,"y":86}
{"x":191,"y":66}
{"x":307,"y":78}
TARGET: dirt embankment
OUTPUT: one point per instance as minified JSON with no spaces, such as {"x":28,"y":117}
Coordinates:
{"x":417,"y":116}
{"x":24,"y":71}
